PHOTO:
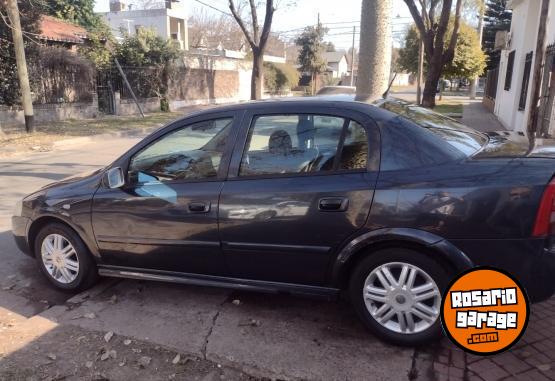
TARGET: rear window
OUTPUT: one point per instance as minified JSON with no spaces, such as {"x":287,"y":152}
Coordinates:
{"x":420,"y":137}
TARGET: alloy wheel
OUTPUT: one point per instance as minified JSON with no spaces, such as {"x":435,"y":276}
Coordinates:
{"x":402,"y":297}
{"x":60,"y":258}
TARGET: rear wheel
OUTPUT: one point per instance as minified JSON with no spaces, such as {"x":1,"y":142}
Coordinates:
{"x":64,"y":259}
{"x":397,"y":293}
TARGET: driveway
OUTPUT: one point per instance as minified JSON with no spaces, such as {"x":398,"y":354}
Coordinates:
{"x":260,"y":335}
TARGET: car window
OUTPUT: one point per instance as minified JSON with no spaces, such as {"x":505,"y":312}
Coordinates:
{"x":354,"y":154}
{"x":462,"y":138}
{"x":301,"y":143}
{"x":406,"y":145}
{"x":190,"y":153}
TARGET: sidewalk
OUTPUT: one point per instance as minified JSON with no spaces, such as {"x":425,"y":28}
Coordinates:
{"x":475,"y":115}
{"x":532,"y":358}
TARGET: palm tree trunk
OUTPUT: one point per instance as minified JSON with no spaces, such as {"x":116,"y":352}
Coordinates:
{"x":375,"y":49}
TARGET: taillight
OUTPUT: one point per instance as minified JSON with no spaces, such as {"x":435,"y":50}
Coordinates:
{"x":545,"y":219}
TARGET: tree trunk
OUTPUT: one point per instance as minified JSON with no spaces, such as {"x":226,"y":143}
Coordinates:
{"x":432,"y":81}
{"x":375,"y":49}
{"x":256,"y":79}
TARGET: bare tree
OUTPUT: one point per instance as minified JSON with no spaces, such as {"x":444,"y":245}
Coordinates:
{"x":375,"y":49}
{"x":257,"y":39}
{"x":208,"y":30}
{"x":433,"y":29}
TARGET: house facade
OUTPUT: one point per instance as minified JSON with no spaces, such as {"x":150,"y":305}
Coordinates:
{"x":167,"y":18}
{"x":337,"y":63}
{"x":515,"y":73}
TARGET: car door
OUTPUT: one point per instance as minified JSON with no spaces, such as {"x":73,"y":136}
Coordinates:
{"x":301,"y":182}
{"x":165,"y":216}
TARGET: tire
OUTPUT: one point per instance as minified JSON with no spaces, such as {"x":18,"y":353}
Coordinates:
{"x":79,"y":277}
{"x":393,"y":303}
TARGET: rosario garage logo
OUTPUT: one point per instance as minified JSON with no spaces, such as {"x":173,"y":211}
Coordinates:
{"x":484,"y":311}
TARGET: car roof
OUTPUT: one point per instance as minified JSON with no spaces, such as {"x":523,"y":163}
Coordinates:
{"x":345,"y":101}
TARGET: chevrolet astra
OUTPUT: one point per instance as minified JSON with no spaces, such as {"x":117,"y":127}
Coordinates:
{"x":384,"y":203}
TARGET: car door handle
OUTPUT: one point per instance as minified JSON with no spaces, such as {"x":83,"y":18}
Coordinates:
{"x":333,"y":204}
{"x":199,"y":207}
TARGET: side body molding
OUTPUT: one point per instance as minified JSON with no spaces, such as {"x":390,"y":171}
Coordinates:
{"x":439,"y":246}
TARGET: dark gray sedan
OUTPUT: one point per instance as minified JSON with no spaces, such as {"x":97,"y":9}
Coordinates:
{"x":387,"y":201}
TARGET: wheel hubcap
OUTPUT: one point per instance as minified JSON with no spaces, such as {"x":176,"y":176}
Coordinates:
{"x":59,"y":258}
{"x":402,"y":297}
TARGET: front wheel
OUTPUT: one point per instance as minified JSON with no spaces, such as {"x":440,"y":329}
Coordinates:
{"x":64,"y":259}
{"x":397,"y":293}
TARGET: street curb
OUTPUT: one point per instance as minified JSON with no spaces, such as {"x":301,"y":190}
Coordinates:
{"x":111,"y":135}
{"x":98,"y":289}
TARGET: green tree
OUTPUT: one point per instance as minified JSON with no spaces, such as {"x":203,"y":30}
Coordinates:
{"x":146,"y":48}
{"x":329,"y":46}
{"x":311,"y":43}
{"x":278,"y":76}
{"x":496,"y":18}
{"x":468,"y":61}
{"x":439,"y":46}
{"x":80,"y":12}
{"x":30,"y":11}
{"x":150,"y":52}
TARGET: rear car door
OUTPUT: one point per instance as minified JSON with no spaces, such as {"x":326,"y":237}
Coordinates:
{"x":301,"y":182}
{"x":165,"y":216}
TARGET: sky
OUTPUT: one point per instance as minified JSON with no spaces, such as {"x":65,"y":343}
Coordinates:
{"x":338,"y":15}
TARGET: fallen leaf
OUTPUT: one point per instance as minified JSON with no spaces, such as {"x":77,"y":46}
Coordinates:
{"x":51,"y":356}
{"x":105,"y":356}
{"x":236,"y":302}
{"x":144,"y":361}
{"x":126,"y":342}
{"x":90,"y":316}
{"x":176,"y":359}
{"x":108,"y":336}
{"x":89,"y":364}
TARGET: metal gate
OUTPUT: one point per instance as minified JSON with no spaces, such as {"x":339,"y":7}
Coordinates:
{"x":105,"y":91}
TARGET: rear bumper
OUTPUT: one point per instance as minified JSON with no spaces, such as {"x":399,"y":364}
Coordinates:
{"x":19,"y":231}
{"x":527,"y":259}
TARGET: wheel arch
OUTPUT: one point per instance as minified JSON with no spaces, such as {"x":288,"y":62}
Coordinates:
{"x":39,"y":223}
{"x":429,"y":244}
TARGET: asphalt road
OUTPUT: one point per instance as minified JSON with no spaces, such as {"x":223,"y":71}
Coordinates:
{"x":265,"y":335}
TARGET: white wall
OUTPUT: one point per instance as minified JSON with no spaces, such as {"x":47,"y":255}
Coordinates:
{"x":524,"y":29}
{"x":163,"y":21}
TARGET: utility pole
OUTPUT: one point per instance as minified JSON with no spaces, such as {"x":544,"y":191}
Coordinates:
{"x":353,"y":57}
{"x":25,"y":88}
{"x":474,"y":82}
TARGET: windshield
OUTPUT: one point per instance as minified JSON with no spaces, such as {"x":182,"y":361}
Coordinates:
{"x":464,"y":139}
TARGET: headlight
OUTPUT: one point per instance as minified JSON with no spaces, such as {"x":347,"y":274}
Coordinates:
{"x":18,"y":210}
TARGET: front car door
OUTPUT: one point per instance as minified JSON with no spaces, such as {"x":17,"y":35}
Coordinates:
{"x":301,"y":182}
{"x":165,"y":216}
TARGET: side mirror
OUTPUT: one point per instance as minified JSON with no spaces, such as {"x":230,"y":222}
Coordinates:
{"x":114,"y":178}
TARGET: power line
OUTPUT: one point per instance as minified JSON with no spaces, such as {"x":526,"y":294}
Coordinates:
{"x":214,"y":8}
